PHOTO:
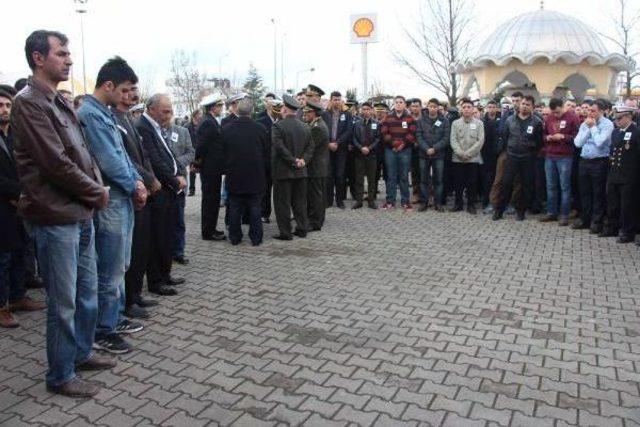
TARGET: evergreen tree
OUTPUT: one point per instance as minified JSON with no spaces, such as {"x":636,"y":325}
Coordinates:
{"x":254,"y":88}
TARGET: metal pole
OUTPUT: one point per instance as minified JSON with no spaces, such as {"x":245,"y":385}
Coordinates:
{"x":282,"y":62}
{"x":275,"y":55}
{"x":84,"y":69}
{"x":365,"y":85}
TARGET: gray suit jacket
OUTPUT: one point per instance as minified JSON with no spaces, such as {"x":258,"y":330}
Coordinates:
{"x":179,"y":139}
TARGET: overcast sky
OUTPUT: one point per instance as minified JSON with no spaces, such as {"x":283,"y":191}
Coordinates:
{"x":228,"y":35}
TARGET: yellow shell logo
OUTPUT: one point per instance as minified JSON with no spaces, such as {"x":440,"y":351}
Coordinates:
{"x":363,"y":27}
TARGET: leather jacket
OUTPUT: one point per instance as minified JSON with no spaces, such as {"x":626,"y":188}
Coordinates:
{"x":60,"y":181}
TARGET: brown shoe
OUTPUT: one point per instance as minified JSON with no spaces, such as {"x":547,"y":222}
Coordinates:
{"x":77,"y":387}
{"x":96,"y":362}
{"x":548,"y":218}
{"x":7,"y":320}
{"x":26,"y":304}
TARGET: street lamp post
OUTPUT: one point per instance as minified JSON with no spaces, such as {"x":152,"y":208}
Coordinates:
{"x":306,"y":70}
{"x":275,"y":54}
{"x":81,"y":10}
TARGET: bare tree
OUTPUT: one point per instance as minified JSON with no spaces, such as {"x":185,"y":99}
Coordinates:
{"x":186,"y":83}
{"x":438,"y":41}
{"x":625,"y":22}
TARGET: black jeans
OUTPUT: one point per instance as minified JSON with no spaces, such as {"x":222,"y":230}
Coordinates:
{"x":336,"y":180}
{"x":540,"y":186}
{"x":592,"y":178}
{"x":266,"y":199}
{"x":366,"y":166}
{"x":210,"y":208}
{"x":622,"y":209}
{"x":487,"y":176}
{"x":523,"y":168}
{"x":163,"y":212}
{"x":192,"y":181}
{"x":239,"y":205}
{"x":140,"y":250}
{"x":465,"y":177}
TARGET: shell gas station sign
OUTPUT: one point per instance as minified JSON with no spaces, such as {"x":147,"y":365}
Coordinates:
{"x":364,"y":28}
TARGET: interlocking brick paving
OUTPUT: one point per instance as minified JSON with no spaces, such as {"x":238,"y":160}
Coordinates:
{"x":383,"y":318}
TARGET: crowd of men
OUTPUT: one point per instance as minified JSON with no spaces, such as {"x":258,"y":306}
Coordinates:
{"x":93,"y":188}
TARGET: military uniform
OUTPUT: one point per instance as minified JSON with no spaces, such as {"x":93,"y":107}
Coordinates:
{"x":317,"y":169}
{"x":290,"y":140}
{"x":622,"y":183}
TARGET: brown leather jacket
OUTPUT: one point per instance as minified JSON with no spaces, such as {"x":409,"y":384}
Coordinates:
{"x":59,"y":179}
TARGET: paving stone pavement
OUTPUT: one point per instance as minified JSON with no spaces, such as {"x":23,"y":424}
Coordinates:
{"x":383,"y":318}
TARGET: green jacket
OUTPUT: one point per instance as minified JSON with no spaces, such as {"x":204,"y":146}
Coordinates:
{"x":318,"y":167}
{"x":290,"y":140}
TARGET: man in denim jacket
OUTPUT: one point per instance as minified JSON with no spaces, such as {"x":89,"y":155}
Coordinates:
{"x":114,"y":224}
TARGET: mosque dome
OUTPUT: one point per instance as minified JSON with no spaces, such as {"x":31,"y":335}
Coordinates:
{"x":544,"y":34}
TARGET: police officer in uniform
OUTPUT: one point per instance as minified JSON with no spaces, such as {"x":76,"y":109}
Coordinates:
{"x":622,"y":179}
{"x":291,"y":150}
{"x":318,"y":167}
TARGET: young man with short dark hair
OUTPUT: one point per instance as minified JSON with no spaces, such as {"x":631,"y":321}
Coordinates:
{"x":366,"y":138}
{"x":433,"y":134}
{"x":594,"y":138}
{"x":467,"y":139}
{"x":114,"y":224}
{"x":340,"y":125}
{"x":561,"y":127}
{"x":399,"y":136}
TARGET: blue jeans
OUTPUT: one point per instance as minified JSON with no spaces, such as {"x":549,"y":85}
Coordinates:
{"x":558,"y":170}
{"x":12,"y":274}
{"x":397,"y":165}
{"x":114,"y":231}
{"x":67,"y":261}
{"x":179,"y":227}
{"x":427,"y":177}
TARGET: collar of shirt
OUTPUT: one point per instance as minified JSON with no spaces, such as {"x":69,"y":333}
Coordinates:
{"x":155,"y":125}
{"x":93,"y":101}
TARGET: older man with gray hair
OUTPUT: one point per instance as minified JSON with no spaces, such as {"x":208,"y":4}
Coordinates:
{"x":163,"y":204}
{"x":246,"y":155}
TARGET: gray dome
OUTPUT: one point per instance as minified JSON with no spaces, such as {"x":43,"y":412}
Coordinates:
{"x":544,"y":34}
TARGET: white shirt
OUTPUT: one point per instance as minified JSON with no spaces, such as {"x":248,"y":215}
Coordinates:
{"x":156,"y":127}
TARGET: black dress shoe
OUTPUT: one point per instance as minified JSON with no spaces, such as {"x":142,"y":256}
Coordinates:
{"x":356,"y":205}
{"x":497,"y":215}
{"x":175,"y":281}
{"x":520,"y":216}
{"x":579,"y":225}
{"x":163,"y":290}
{"x":215,"y":237}
{"x":181,"y":260}
{"x":472,"y":210}
{"x":192,"y":193}
{"x":145,"y":303}
{"x":340,"y":205}
{"x":300,"y":233}
{"x":625,"y":239}
{"x":218,"y":233}
{"x":607,"y":233}
{"x":456,"y":209}
{"x":34,"y":283}
{"x":314,"y":229}
{"x":595,"y":229}
{"x":136,"y":312}
{"x":282,"y":237}
{"x":423,"y":207}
